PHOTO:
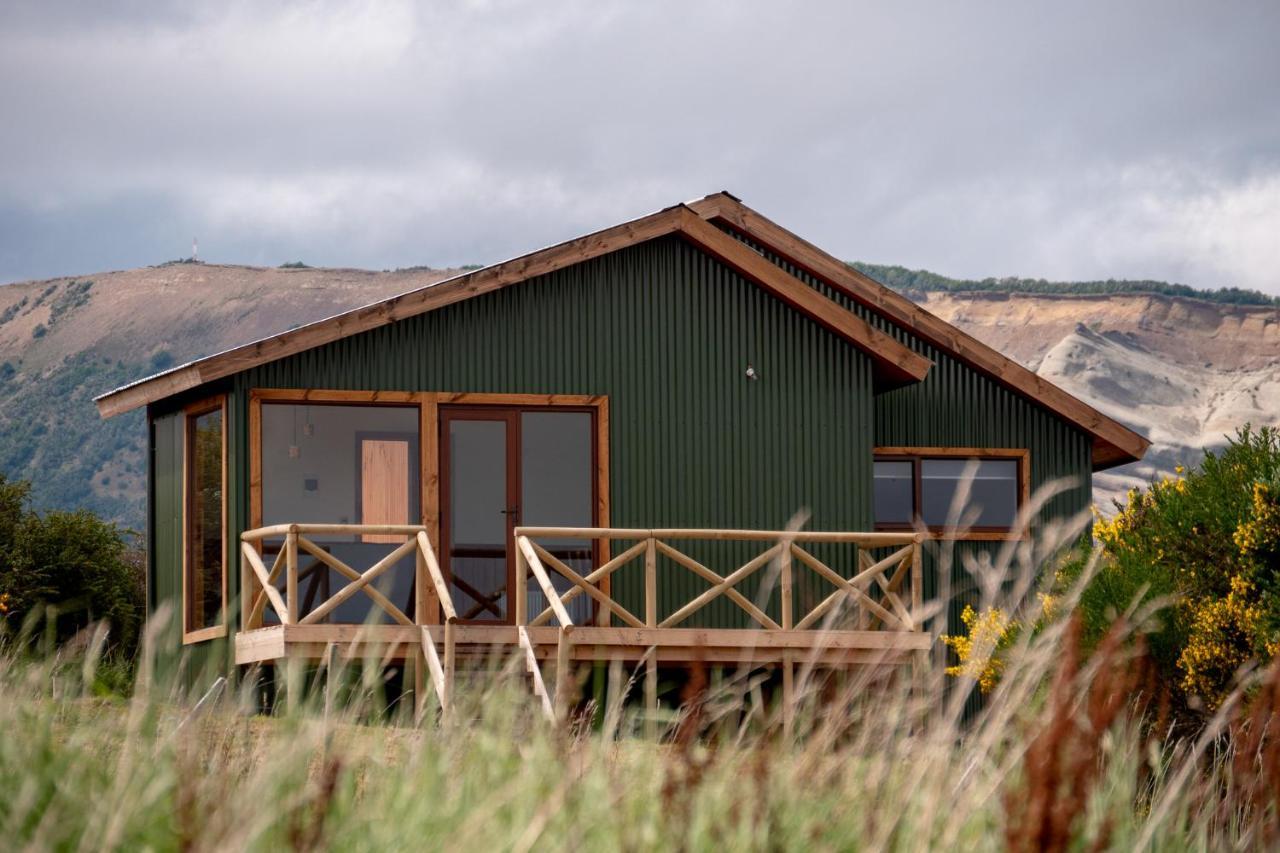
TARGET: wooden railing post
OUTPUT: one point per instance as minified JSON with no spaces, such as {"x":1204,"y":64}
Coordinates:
{"x":421,"y":585}
{"x":784,"y":586}
{"x":521,"y":591}
{"x":247,"y":595}
{"x":917,"y":583}
{"x":788,"y":665}
{"x":651,"y":621}
{"x":650,"y":583}
{"x":291,"y":575}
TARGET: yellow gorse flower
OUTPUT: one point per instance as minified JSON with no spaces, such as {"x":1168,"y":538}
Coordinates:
{"x":989,"y":633}
{"x":1220,"y":640}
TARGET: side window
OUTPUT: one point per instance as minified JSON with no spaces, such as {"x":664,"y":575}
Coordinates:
{"x":204,"y":571}
{"x":913,"y":484}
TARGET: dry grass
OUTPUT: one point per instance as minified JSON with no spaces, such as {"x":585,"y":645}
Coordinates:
{"x":1070,"y":753}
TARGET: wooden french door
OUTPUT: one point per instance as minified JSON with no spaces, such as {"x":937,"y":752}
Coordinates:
{"x":501,"y":467}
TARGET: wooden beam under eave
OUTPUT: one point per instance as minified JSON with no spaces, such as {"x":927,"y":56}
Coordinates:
{"x":894,"y":363}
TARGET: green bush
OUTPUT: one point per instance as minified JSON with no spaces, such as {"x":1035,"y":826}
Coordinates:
{"x":70,"y":566}
{"x":1208,"y":543}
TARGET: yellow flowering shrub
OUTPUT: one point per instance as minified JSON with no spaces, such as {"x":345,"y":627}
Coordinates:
{"x":1222,"y":638}
{"x":1207,"y":539}
{"x":989,"y":633}
{"x":1261,"y":533}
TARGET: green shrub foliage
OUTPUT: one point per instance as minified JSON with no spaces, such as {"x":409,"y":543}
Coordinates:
{"x":67,"y":570}
{"x":1208,"y":543}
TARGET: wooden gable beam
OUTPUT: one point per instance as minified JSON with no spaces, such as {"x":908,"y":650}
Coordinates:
{"x":389,"y":311}
{"x":895,"y":364}
{"x":1113,"y":443}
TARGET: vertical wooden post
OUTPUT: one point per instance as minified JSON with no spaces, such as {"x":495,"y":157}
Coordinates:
{"x":421,"y":585}
{"x":247,"y":584}
{"x":786,"y":617}
{"x":522,"y":588}
{"x":784,"y":587}
{"x":788,"y":694}
{"x":651,"y":694}
{"x":864,"y":562}
{"x":293,"y":677}
{"x":917,"y":585}
{"x":450,"y":657}
{"x":650,"y":583}
{"x":291,"y":570}
{"x":419,"y":684}
{"x":564,"y":643}
{"x":651,"y":621}
{"x":920,"y":660}
{"x":330,"y":679}
{"x":420,"y":609}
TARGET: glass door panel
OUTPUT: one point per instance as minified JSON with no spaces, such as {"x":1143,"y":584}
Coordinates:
{"x":557,"y":485}
{"x":478,"y":516}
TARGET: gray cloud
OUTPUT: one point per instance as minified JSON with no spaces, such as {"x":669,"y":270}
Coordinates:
{"x":1068,"y":141}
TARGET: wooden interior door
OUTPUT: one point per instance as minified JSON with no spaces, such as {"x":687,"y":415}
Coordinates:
{"x":384,"y":485}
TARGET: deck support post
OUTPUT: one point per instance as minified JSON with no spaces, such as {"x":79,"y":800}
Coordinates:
{"x":450,"y":665}
{"x":564,"y":647}
{"x":788,"y":695}
{"x":330,"y":679}
{"x":651,"y":694}
{"x":419,"y":685}
{"x":294,"y":673}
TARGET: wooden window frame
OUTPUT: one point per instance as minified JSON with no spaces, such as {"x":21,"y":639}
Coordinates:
{"x":916,"y":455}
{"x":190,"y":413}
{"x":429,"y":403}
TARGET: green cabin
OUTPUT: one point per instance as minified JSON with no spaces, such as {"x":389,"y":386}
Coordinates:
{"x":691,"y":436}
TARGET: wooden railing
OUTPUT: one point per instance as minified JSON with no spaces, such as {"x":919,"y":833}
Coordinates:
{"x":870,"y":592}
{"x":886,"y":609}
{"x":260,"y":586}
{"x":784,"y":550}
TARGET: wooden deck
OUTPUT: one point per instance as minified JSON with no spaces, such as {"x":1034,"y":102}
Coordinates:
{"x":870,"y":618}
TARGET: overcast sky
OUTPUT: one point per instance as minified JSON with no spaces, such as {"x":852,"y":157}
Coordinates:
{"x":1058,"y":140}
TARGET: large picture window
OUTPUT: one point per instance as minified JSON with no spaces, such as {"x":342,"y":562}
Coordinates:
{"x":204,"y":574}
{"x":920,"y":485}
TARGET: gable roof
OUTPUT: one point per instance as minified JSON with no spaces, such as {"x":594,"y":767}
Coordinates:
{"x":893,"y":363}
{"x":1113,"y":442}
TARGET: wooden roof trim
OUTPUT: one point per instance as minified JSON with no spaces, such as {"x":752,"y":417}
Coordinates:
{"x":1114,"y":443}
{"x":895,"y":364}
{"x":387,"y":311}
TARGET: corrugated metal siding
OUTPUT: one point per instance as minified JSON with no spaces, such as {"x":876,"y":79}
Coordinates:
{"x":667,"y":333}
{"x":956,"y":406}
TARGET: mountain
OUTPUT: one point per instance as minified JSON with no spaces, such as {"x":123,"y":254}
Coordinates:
{"x":64,"y":341}
{"x":1183,"y":371}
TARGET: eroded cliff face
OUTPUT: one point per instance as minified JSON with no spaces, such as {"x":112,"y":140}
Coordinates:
{"x":1182,"y":372}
